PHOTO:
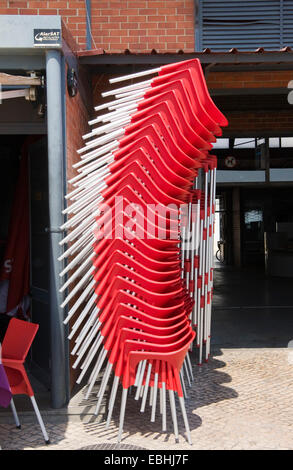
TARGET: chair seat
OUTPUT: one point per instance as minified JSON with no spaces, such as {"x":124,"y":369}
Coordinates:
{"x":18,"y":381}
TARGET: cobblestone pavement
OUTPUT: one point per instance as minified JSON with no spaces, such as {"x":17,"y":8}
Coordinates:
{"x":241,"y":399}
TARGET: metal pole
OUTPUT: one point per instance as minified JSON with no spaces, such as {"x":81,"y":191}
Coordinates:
{"x":59,"y":370}
{"x":88,"y":24}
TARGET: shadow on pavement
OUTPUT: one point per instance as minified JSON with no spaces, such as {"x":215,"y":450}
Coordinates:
{"x":209,"y":386}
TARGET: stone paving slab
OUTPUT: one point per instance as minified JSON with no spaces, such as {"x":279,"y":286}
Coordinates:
{"x":241,"y":399}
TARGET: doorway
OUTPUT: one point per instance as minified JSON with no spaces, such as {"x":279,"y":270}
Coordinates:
{"x":252,"y":302}
{"x":24,"y":217}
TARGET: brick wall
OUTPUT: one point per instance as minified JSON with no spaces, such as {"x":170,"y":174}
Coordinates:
{"x":141,"y":25}
{"x":76,"y":125}
{"x":261,"y":79}
{"x":138,"y":25}
{"x":262,"y":121}
{"x":77,"y":118}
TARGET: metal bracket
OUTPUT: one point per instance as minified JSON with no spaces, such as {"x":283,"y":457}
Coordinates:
{"x":28,"y":93}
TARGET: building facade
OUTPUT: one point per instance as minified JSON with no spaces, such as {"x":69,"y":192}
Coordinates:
{"x":245,"y":51}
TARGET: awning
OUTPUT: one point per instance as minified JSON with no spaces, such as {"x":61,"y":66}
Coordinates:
{"x":100,"y":61}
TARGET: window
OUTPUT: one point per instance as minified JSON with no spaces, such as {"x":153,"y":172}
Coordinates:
{"x":245,"y":25}
{"x":221,"y":144}
{"x":254,"y":153}
{"x":252,"y":216}
{"x":248,"y":143}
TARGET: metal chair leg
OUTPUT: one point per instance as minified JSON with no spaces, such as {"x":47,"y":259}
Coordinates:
{"x":122,"y":413}
{"x":174,"y":416}
{"x":153,"y":415}
{"x":161,"y":401}
{"x":164,"y":417}
{"x":138,"y":373}
{"x":96,"y":372}
{"x":40,"y":420}
{"x":187,"y":373}
{"x":151,"y":395}
{"x":103,"y":387}
{"x":145,"y":392}
{"x":189,"y":365}
{"x":15,"y":415}
{"x":112,"y":400}
{"x":182,"y":405}
{"x":140,"y":380}
{"x":183,"y":383}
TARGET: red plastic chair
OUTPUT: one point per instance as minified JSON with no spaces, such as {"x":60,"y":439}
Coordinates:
{"x":16,"y":344}
{"x":139,"y":263}
{"x":177,"y":87}
{"x":161,"y":115}
{"x":164,"y":144}
{"x":122,"y":310}
{"x":159,"y":311}
{"x":160,"y":324}
{"x":207,"y":117}
{"x":159,"y":193}
{"x":161,"y":297}
{"x":158,"y":316}
{"x":156,"y":173}
{"x":165,"y":315}
{"x":132,"y":334}
{"x":149,"y":213}
{"x":128,"y":339}
{"x":154,"y":257}
{"x":173,"y":355}
{"x":140,"y":279}
{"x":122,"y":259}
{"x":170,"y":104}
{"x":167,"y":165}
{"x":162,"y":248}
{"x":202,"y":88}
{"x":143,"y":289}
{"x":164,"y":131}
{"x":141,"y":276}
{"x":198,"y":95}
{"x":145,"y":231}
{"x":180,"y":147}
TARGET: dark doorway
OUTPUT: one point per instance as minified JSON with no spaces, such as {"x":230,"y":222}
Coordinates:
{"x":39,"y":256}
{"x":13,"y":148}
{"x":253,"y":301}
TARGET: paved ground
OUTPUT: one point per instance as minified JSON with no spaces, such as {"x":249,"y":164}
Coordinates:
{"x":241,"y":399}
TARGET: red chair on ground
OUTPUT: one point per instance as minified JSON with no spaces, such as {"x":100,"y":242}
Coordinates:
{"x":16,"y":344}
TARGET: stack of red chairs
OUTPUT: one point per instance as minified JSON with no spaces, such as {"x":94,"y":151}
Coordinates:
{"x":140,"y":240}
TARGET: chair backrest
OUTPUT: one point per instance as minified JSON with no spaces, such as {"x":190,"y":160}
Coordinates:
{"x":18,"y":339}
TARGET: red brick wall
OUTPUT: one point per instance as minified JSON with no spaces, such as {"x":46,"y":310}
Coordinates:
{"x":77,"y":118}
{"x":265,"y":79}
{"x":142,"y":25}
{"x":138,"y":25}
{"x":262,"y":121}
